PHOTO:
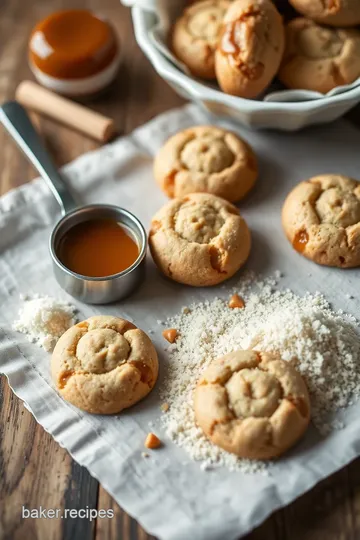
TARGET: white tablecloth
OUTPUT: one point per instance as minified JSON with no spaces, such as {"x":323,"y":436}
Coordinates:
{"x":168,"y":493}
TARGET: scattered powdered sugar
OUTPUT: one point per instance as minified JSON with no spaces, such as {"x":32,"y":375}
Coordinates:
{"x":322,"y":343}
{"x":44,"y":319}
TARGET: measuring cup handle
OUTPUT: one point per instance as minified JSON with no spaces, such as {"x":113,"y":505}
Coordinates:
{"x":16,"y":121}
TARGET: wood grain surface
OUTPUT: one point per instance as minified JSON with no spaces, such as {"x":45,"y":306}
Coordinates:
{"x":34,"y":470}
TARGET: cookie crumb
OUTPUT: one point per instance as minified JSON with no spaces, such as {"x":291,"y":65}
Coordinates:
{"x":165,"y":407}
{"x":145,"y":455}
{"x":170,"y":335}
{"x":152,"y":441}
{"x":236,"y":302}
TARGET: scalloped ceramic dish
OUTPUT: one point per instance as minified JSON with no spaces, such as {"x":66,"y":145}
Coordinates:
{"x":284,"y":115}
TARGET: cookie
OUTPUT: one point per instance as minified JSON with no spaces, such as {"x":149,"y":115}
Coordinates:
{"x":330,"y":12}
{"x":252,"y":404}
{"x":206,"y":159}
{"x":321,"y":219}
{"x":195,"y":36}
{"x":250,"y":47}
{"x":319,"y":58}
{"x":104,"y":365}
{"x":199,"y":240}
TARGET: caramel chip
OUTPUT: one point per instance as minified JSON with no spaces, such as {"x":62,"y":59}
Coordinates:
{"x":170,"y":335}
{"x":152,"y":441}
{"x":236,"y":302}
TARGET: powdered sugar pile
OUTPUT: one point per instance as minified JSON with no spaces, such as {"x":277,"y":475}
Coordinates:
{"x":44,"y":319}
{"x":323,"y":344}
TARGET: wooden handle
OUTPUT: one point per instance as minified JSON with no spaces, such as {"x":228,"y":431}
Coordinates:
{"x":41,"y":100}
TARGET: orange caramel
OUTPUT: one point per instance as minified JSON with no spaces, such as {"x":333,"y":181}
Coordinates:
{"x":98,"y":248}
{"x":65,"y":377}
{"x":300,"y":241}
{"x":170,"y":335}
{"x":146,"y":374}
{"x":72,"y":44}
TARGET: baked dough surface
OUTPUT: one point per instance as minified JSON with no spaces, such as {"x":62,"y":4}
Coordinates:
{"x":321,"y":218}
{"x":330,"y":12}
{"x":104,"y":364}
{"x":252,"y":404}
{"x":318,"y":58}
{"x":195,"y":36}
{"x":206,"y":159}
{"x":250,"y":49}
{"x":199,"y":240}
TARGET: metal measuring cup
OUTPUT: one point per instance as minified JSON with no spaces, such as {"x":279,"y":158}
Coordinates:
{"x":91,"y":290}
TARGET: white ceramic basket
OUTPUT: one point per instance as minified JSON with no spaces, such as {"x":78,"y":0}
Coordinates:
{"x":284,"y":115}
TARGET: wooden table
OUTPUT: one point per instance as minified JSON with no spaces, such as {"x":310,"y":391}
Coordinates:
{"x":34,"y":470}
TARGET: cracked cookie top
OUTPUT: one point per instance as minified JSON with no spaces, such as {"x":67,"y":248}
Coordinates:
{"x":195,"y":36}
{"x":250,"y":47}
{"x":330,"y":12}
{"x":206,"y":159}
{"x":318,"y":58}
{"x":104,"y":364}
{"x":252,"y":404}
{"x":321,"y":218}
{"x":199,"y":239}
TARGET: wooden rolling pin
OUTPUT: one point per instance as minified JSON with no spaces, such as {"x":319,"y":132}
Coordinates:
{"x":35,"y":97}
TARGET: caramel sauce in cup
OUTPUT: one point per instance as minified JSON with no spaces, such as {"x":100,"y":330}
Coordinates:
{"x":98,"y":248}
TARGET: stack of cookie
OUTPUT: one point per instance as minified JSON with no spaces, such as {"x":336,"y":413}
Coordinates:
{"x":244,"y":44}
{"x":199,"y":238}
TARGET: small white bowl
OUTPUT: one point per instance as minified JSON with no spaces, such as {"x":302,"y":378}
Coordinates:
{"x":284,"y":115}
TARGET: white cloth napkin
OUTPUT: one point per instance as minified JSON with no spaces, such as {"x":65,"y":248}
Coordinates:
{"x":168,"y":493}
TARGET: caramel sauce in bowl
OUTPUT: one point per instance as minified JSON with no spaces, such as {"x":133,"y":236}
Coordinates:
{"x":74,"y":52}
{"x":98,"y":253}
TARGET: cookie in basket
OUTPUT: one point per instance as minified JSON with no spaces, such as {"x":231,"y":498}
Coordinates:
{"x":250,"y":47}
{"x":319,"y":58}
{"x":206,"y":159}
{"x":252,"y":404}
{"x":321,"y":219}
{"x":195,"y":36}
{"x":199,"y":240}
{"x":333,"y":12}
{"x":104,"y":365}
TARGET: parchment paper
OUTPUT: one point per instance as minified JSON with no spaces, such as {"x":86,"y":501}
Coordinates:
{"x":169,"y":494}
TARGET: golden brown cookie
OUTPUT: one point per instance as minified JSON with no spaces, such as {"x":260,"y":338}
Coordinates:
{"x":104,"y":364}
{"x":319,"y":58}
{"x":195,"y":36}
{"x":206,"y":159}
{"x":321,"y":218}
{"x":199,"y":240}
{"x":250,"y":47}
{"x":252,"y":404}
{"x":331,"y":12}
